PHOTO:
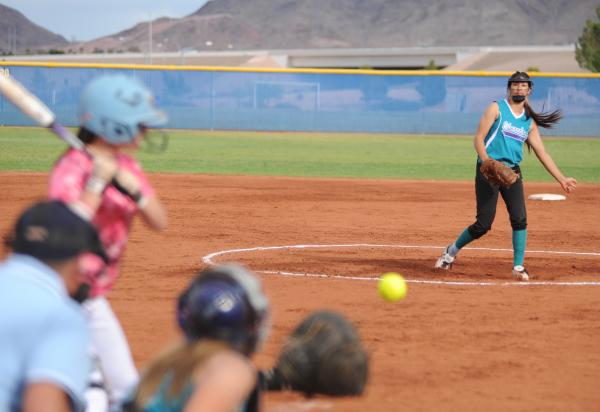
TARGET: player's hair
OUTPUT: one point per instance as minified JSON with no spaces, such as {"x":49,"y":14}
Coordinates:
{"x":86,"y":136}
{"x":543,"y":119}
{"x":172,"y":370}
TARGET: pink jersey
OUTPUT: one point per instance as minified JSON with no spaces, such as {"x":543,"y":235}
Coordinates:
{"x":115,"y":214}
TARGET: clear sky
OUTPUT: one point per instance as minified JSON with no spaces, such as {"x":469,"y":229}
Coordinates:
{"x":87,"y":20}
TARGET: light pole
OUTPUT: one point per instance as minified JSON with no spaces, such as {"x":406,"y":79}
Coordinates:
{"x":150,"y":37}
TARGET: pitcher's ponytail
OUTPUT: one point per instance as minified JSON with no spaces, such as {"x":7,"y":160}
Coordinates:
{"x":543,"y":119}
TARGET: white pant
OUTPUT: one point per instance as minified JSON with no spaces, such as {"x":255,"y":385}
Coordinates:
{"x":109,"y":346}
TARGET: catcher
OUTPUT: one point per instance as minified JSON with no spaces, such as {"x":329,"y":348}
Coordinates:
{"x":504,"y":128}
{"x":224,"y":317}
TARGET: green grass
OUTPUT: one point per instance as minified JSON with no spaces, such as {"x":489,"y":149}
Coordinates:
{"x":311,"y":154}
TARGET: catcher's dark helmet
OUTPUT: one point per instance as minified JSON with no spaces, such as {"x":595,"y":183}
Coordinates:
{"x":225,"y":303}
{"x":519,"y":77}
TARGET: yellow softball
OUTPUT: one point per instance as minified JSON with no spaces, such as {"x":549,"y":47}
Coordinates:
{"x":392,"y":286}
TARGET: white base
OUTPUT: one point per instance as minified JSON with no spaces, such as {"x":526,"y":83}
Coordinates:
{"x":546,"y":196}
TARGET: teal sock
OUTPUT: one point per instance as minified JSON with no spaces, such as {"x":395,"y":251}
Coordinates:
{"x":464,"y":239}
{"x":519,"y":240}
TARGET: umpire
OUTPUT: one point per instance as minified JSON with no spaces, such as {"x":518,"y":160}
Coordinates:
{"x":44,"y":361}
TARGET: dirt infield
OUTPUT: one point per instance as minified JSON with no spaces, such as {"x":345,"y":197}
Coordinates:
{"x":484,"y":344}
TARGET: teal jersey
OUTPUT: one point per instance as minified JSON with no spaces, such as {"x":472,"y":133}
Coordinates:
{"x":504,"y":141}
{"x":162,"y":402}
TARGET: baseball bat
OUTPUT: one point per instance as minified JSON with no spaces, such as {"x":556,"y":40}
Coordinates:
{"x":33,"y":107}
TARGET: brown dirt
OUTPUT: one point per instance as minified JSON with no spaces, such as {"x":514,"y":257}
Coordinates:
{"x":445,"y":347}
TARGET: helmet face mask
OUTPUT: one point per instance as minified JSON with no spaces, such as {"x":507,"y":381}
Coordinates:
{"x":519,"y":78}
{"x":118,"y":109}
{"x":155,"y":140}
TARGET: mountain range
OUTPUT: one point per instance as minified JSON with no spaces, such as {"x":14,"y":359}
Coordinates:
{"x":18,"y":34}
{"x":309,"y":24}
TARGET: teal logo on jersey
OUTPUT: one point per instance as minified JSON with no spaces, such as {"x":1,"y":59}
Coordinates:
{"x":514,"y":132}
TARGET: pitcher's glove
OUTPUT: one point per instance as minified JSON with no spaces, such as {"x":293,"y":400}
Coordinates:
{"x":498,"y":173}
{"x":323,"y":355}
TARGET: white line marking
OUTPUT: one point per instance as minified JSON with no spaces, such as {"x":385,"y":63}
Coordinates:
{"x":208,"y":259}
{"x":302,"y":406}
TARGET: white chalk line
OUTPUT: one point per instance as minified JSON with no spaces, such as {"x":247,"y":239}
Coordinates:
{"x":208,"y":259}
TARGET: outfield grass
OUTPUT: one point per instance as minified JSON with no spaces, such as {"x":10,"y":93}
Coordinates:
{"x":311,"y":154}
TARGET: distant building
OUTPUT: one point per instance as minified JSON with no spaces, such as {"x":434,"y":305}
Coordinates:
{"x":556,"y":59}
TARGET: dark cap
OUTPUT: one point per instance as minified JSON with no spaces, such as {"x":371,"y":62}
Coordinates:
{"x":52,"y":231}
{"x":520,"y":77}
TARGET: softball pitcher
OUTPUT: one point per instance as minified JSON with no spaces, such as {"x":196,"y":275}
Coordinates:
{"x":504,"y":128}
{"x":115,"y":113}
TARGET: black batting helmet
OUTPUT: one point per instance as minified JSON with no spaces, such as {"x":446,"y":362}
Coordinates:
{"x":225,"y":303}
{"x":519,"y":77}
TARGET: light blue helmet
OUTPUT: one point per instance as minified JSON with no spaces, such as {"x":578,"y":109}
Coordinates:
{"x":115,"y":106}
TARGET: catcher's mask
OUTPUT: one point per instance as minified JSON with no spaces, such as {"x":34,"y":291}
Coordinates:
{"x":117,"y":108}
{"x":225,"y":303}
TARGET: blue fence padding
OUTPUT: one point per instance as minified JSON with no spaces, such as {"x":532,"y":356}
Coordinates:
{"x":321,"y":102}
